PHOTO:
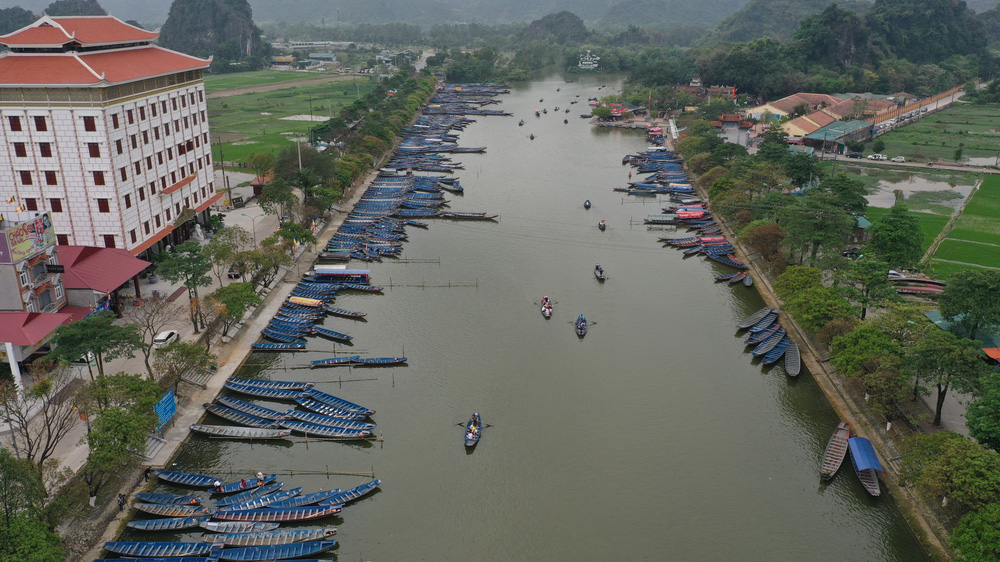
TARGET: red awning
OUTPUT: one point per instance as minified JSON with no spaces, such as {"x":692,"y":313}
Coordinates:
{"x":98,"y":269}
{"x":149,"y":243}
{"x":180,"y":184}
{"x":30,"y":328}
{"x":208,"y":202}
{"x":993,"y":352}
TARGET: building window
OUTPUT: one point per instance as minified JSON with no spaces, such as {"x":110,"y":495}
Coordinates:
{"x":22,"y":276}
{"x":173,"y":102}
{"x":30,"y":306}
{"x":156,"y":133}
{"x":25,"y":177}
{"x":201,"y":95}
{"x":156,"y":219}
{"x":177,"y":125}
{"x":58,"y":290}
{"x":31,"y":204}
{"x":130,"y":116}
{"x":177,"y":207}
{"x":62,"y":239}
{"x":19,"y":150}
{"x":163,"y":182}
{"x":98,"y":178}
{"x":132,"y":235}
{"x":145,"y":225}
{"x":145,"y":137}
{"x":94,"y":149}
{"x":114,"y":120}
{"x":45,"y":149}
{"x":135,"y":143}
{"x":204,"y":138}
{"x":40,"y":124}
{"x":128,"y":201}
{"x":149,"y":162}
{"x":142,"y":112}
{"x":50,"y":177}
{"x":186,"y":123}
{"x":102,"y":206}
{"x":195,"y":196}
{"x":118,"y":146}
{"x":89,"y":124}
{"x":159,"y":158}
{"x":180,"y":149}
{"x":184,"y":102}
{"x":192,"y":97}
{"x":142,"y":194}
{"x":124,"y":173}
{"x":173,"y":178}
{"x":152,"y":188}
{"x":138,"y":167}
{"x":15,"y":123}
{"x":152,"y":109}
{"x":191,"y":168}
{"x":203,"y":114}
{"x":109,"y":240}
{"x":170,"y":153}
{"x":55,"y":205}
{"x":166,"y":129}
{"x":203,"y":194}
{"x":163,"y":105}
{"x":168,"y":214}
{"x":187,"y":202}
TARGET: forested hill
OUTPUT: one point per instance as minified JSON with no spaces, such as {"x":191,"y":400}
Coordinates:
{"x":777,"y":19}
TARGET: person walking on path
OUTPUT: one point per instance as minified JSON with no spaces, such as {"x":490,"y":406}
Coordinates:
{"x":121,"y":502}
{"x":145,"y":474}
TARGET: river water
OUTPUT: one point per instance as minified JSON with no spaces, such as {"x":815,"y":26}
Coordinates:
{"x":654,"y":437}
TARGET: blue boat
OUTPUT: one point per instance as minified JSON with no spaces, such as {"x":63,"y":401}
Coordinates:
{"x":250,"y":494}
{"x":278,"y":346}
{"x":379,"y":361}
{"x":333,"y":335}
{"x":336,"y":361}
{"x":248,"y":408}
{"x":160,"y":549}
{"x":344,"y":313}
{"x":777,"y":351}
{"x":756,"y":339}
{"x":317,"y":430}
{"x":770,"y":343}
{"x":198,"y":480}
{"x":283,"y":338}
{"x":285,"y":385}
{"x":277,"y":552}
{"x":328,"y":410}
{"x":245,"y":484}
{"x":336,"y":402}
{"x":271,"y":538}
{"x":262,"y":392}
{"x":352,"y":494}
{"x":581,"y":325}
{"x":237,"y":527}
{"x":167,"y":524}
{"x":866,"y":463}
{"x":239,"y":417}
{"x":764,"y":322}
{"x":304,"y":322}
{"x":263,"y":500}
{"x":307,"y":499}
{"x":473,"y":430}
{"x":164,"y":559}
{"x":167,"y":499}
{"x":280,"y":514}
{"x":362,"y":288}
{"x":726,"y":260}
{"x":331,"y":421}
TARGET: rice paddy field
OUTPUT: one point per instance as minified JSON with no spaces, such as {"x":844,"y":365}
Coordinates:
{"x":271,"y":120}
{"x":936,"y":137}
{"x":974,"y":240}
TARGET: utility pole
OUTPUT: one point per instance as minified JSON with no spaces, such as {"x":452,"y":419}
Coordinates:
{"x":298,"y":144}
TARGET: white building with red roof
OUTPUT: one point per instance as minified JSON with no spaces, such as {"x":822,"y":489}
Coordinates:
{"x":105,"y":130}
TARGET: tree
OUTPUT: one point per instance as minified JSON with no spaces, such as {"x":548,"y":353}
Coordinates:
{"x":849,"y":193}
{"x":293,"y":234}
{"x":187,"y":264}
{"x":866,"y":282}
{"x":896,"y":238}
{"x":31,"y":541}
{"x":121,"y":390}
{"x":277,"y":198}
{"x":261,"y":162}
{"x":878,"y":145}
{"x":946,"y":361}
{"x":235,"y":298}
{"x":12,"y":19}
{"x":949,"y":465}
{"x":39,"y":419}
{"x":179,"y":360}
{"x":860,"y":351}
{"x":977,"y":536}
{"x":970,"y":302}
{"x":982,"y":415}
{"x":75,"y":8}
{"x":814,"y":223}
{"x":958,"y":152}
{"x":21,"y":489}
{"x":814,"y":308}
{"x":150,"y":319}
{"x":797,"y":278}
{"x":765,"y":237}
{"x":96,"y":334}
{"x":222,"y":249}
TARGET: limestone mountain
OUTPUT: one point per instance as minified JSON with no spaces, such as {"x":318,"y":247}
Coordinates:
{"x":75,"y":8}
{"x":223,"y":28}
{"x":777,"y":19}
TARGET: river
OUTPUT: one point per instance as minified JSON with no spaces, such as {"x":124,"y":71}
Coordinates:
{"x":654,"y":437}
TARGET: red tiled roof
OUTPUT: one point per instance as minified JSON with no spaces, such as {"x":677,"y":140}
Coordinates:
{"x":87,"y":30}
{"x":179,"y":184}
{"x":29,"y":328}
{"x":98,"y":269}
{"x":117,"y":66}
{"x":77,"y":312}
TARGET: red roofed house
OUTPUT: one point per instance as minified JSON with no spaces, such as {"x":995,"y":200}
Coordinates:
{"x":106,"y":131}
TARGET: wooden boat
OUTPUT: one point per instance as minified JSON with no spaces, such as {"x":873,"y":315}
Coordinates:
{"x":317,"y":430}
{"x":763,"y":335}
{"x":160,"y":549}
{"x":738,"y":278}
{"x":277,"y":552}
{"x":198,"y":480}
{"x":237,"y":527}
{"x":278,"y":346}
{"x":262,"y":392}
{"x":586,"y":204}
{"x":270,"y":538}
{"x":264,"y":500}
{"x":168,"y":524}
{"x":764,"y":322}
{"x":336,"y":361}
{"x":866,"y":463}
{"x":331,"y":421}
{"x":776,"y":352}
{"x":280,"y":514}
{"x":793,"y":361}
{"x":248,"y":408}
{"x":285,"y":385}
{"x":173,"y":510}
{"x":332,"y":335}
{"x":379,"y":361}
{"x":753,"y":318}
{"x":353,"y":493}
{"x":250,"y":494}
{"x":581,"y":325}
{"x":334,"y":256}
{"x":748,"y":280}
{"x":336,"y":402}
{"x":836,"y":450}
{"x":328,"y":410}
{"x":602,"y":225}
{"x":764,"y":347}
{"x":283,"y":339}
{"x":599,"y":273}
{"x":547,"y":310}
{"x":239,"y":417}
{"x":307,"y":499}
{"x":167,"y":499}
{"x":239,"y":432}
{"x":345,"y":313}
{"x":729,"y":276}
{"x":362,"y":288}
{"x":245,"y":484}
{"x":473,"y":430}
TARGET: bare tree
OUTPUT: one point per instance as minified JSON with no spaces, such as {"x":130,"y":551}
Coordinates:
{"x":41,"y":416}
{"x":224,"y":247}
{"x":151,"y":318}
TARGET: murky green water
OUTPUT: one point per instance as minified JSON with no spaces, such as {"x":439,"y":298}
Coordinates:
{"x":654,"y":437}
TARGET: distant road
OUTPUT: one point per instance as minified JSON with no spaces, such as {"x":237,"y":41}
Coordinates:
{"x":914,"y":165}
{"x":281,"y":85}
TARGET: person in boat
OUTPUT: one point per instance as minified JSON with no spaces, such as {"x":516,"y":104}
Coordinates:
{"x":243,"y":483}
{"x":598,"y":268}
{"x":218,"y":485}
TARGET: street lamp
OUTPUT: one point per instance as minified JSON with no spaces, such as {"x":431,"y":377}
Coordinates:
{"x":253,"y":226}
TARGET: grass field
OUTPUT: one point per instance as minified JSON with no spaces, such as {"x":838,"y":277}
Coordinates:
{"x":253,"y":122}
{"x":935,"y":137}
{"x":215,"y":82}
{"x":930,"y":223}
{"x":975,"y":236}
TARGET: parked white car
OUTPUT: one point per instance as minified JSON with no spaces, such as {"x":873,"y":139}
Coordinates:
{"x":898,"y":159}
{"x":164,"y":338}
{"x":877,"y":157}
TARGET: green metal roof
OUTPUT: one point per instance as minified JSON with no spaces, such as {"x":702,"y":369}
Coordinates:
{"x":989,"y":340}
{"x":861,"y":222}
{"x":838,"y":129}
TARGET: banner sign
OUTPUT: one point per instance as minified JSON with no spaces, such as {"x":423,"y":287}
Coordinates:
{"x":165,"y":409}
{"x":27,"y":239}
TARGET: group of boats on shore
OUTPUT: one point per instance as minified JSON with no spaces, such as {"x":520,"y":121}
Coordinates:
{"x":863,"y":457}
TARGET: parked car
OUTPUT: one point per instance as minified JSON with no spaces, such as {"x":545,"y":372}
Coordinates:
{"x":164,"y":338}
{"x":855,"y":155}
{"x":898,"y":159}
{"x":234,"y":272}
{"x":877,"y":157}
{"x":893,"y":274}
{"x":852,"y":252}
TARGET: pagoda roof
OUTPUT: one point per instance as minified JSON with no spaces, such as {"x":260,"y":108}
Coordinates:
{"x":53,"y":32}
{"x":93,"y":68}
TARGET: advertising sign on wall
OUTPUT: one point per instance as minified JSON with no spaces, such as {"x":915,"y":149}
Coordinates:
{"x":27,"y":239}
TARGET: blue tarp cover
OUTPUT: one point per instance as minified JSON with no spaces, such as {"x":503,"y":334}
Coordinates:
{"x":863,"y":454}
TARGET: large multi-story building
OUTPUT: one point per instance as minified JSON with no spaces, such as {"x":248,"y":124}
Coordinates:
{"x":106,"y":131}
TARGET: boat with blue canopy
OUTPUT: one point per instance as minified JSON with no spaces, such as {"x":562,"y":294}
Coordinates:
{"x":866,"y":463}
{"x":277,"y":552}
